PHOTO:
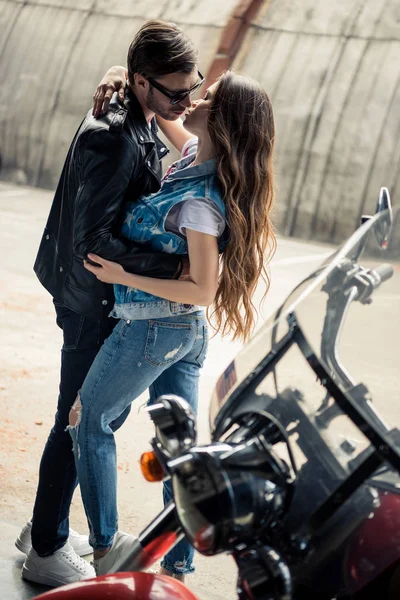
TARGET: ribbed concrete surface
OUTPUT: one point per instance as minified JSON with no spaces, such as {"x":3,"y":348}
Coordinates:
{"x":332,"y":70}
{"x":53,"y":54}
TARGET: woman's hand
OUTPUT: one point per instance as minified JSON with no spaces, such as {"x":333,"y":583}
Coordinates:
{"x":108,"y":272}
{"x":113,"y":81}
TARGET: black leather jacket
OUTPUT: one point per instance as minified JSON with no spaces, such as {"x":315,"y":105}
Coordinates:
{"x":111,"y":160}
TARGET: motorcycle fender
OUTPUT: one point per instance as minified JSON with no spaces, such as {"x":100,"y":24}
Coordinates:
{"x":123,"y":586}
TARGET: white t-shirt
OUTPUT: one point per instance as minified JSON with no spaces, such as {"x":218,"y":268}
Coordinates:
{"x":199,"y":214}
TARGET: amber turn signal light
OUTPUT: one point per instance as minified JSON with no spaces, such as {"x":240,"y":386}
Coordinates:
{"x":151,"y":467}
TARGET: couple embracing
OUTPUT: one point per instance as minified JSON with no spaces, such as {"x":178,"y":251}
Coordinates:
{"x":131,"y":260}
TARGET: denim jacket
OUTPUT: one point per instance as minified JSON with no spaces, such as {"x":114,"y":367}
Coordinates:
{"x":145,"y":222}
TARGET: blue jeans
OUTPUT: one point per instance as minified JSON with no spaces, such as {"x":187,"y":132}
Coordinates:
{"x":83,"y":337}
{"x":164,"y":355}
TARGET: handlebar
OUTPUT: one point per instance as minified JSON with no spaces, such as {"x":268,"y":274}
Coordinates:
{"x":384,"y":272}
{"x":368,"y":280}
{"x":348,"y":283}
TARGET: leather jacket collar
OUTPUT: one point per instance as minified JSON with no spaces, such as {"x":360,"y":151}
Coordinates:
{"x":131,"y":107}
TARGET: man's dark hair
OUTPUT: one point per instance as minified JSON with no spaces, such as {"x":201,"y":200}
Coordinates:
{"x":160,"y":48}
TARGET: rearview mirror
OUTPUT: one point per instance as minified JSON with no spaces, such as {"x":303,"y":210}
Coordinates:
{"x":383,"y":225}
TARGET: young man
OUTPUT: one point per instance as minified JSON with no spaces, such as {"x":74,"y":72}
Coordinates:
{"x":111,"y":160}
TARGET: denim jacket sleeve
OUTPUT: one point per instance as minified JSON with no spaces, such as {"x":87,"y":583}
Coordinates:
{"x":107,"y":160}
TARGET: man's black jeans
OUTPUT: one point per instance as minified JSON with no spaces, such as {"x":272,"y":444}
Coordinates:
{"x":83,"y":338}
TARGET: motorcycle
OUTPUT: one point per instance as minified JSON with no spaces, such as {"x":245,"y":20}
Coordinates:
{"x":301,"y":481}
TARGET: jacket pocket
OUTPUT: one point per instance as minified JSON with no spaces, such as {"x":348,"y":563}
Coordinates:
{"x":72,"y":325}
{"x":50,"y":268}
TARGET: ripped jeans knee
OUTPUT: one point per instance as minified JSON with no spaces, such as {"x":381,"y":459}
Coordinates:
{"x":74,"y":419}
{"x":178,"y":566}
{"x":75,"y":413}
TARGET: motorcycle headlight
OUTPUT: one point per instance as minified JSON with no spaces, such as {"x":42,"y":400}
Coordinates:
{"x":220,"y":503}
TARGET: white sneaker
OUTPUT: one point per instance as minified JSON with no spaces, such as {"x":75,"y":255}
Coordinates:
{"x":78,"y":542}
{"x":62,"y":567}
{"x":122,"y":544}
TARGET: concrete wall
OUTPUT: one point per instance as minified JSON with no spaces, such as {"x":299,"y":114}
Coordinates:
{"x":53,"y":54}
{"x":332,"y":70}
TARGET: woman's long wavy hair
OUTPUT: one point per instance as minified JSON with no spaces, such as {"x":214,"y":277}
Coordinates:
{"x":242,"y":130}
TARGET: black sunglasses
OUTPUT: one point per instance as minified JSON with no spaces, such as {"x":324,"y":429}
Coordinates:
{"x":176,"y":97}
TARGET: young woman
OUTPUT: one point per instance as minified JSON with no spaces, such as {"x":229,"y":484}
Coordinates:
{"x":215,"y":206}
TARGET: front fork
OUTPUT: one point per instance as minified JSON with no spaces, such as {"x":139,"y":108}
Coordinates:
{"x":263,"y":574}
